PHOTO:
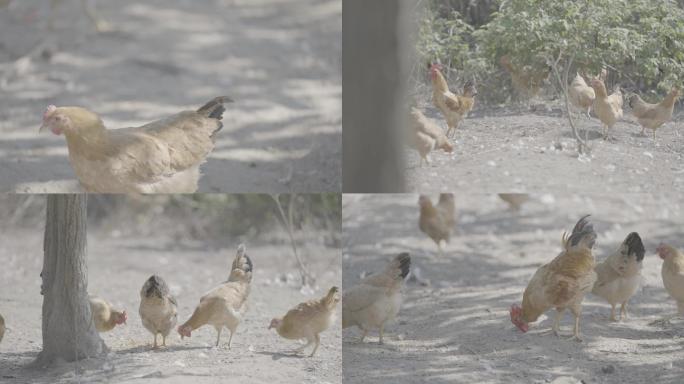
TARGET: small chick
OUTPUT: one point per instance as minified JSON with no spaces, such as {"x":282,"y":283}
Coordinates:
{"x":158,"y":308}
{"x":104,"y":316}
{"x":307,"y":320}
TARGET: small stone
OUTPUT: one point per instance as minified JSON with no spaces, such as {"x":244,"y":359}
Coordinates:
{"x":608,"y":369}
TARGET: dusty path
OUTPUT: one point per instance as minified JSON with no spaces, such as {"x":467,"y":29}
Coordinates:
{"x":117,"y":269}
{"x":504,"y":151}
{"x":280,"y":61}
{"x":457,"y":329}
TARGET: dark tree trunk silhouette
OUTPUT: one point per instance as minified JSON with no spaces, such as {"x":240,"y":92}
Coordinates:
{"x":68,"y":330}
{"x":374,"y":74}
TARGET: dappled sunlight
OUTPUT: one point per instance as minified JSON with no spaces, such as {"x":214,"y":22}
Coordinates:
{"x":454,"y":323}
{"x":279,"y":60}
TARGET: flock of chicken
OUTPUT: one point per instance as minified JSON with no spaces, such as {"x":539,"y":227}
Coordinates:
{"x":425,"y":136}
{"x":560,"y":284}
{"x":222,"y":307}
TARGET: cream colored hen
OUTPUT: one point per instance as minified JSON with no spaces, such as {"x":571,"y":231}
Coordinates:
{"x":619,"y":276}
{"x":160,"y":157}
{"x":673,"y":274}
{"x":225,"y":305}
{"x":307,"y":320}
{"x":376,"y":300}
{"x":158,"y":308}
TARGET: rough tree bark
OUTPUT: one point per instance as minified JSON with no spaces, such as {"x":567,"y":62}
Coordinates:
{"x":374,"y":73}
{"x":68,"y":330}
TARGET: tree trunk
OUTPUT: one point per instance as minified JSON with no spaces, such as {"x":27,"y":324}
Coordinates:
{"x":68,"y":330}
{"x":374,"y":72}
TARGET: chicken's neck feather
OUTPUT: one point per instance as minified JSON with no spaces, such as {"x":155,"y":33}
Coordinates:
{"x":438,"y":82}
{"x":90,"y":138}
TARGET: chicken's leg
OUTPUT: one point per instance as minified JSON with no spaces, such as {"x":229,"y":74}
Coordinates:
{"x":318,"y":342}
{"x":218,"y":335}
{"x":576,"y":310}
{"x":163,"y":340}
{"x":555,"y":328}
{"x":612,"y":313}
{"x":305,"y":346}
{"x":623,"y":311}
{"x":230,"y":339}
{"x":363,"y":336}
{"x":155,"y":341}
{"x":382,"y":331}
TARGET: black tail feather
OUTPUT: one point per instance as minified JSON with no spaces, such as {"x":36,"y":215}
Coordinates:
{"x":214,"y":109}
{"x":635,"y":246}
{"x":404,"y":264}
{"x":249,"y":265}
{"x":582,"y":228}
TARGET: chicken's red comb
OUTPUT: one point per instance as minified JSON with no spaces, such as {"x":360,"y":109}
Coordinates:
{"x":48,"y":111}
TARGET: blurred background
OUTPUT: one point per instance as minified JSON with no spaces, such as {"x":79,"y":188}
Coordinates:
{"x":133,"y":62}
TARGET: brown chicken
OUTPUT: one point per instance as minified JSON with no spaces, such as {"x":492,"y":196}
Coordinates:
{"x":437,"y":221}
{"x":607,"y":108}
{"x":527,"y":81}
{"x":2,"y":327}
{"x":673,"y":274}
{"x":514,"y":200}
{"x":454,"y":107}
{"x":161,"y":157}
{"x":307,"y":320}
{"x":562,"y":283}
{"x":652,"y":116}
{"x":422,"y":143}
{"x":225,"y":305}
{"x":158,"y":308}
{"x":104,"y":316}
{"x":618,"y":277}
{"x":376,"y":300}
{"x":420,"y":123}
{"x":581,"y":95}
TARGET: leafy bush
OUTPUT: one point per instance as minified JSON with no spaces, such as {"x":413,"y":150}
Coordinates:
{"x":640,"y":41}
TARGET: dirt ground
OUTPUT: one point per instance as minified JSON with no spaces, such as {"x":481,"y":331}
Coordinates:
{"x":457,"y":328}
{"x":506,"y":150}
{"x":279,"y":60}
{"x":117,"y":269}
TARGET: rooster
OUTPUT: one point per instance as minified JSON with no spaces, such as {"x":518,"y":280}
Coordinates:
{"x":160,"y":157}
{"x":562,"y":283}
{"x":454,"y":107}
